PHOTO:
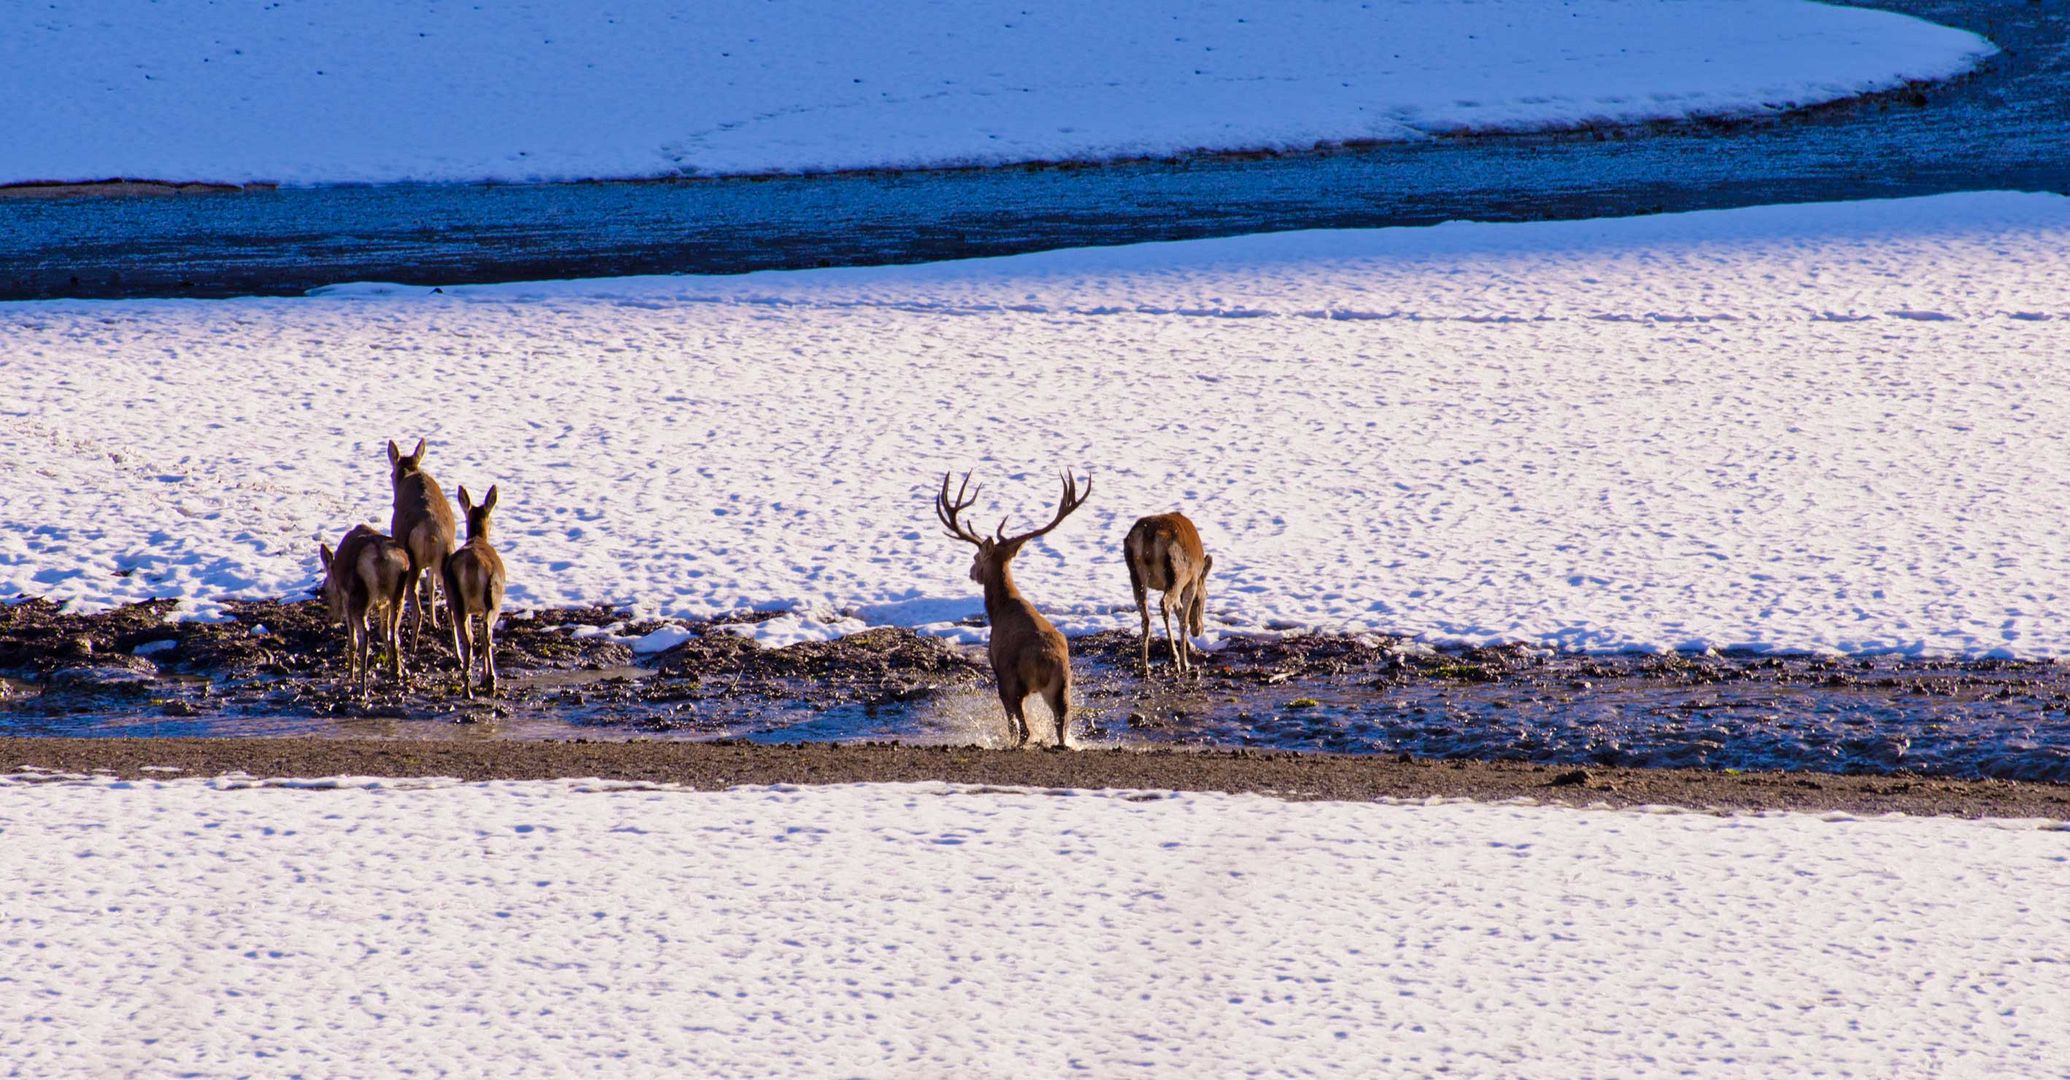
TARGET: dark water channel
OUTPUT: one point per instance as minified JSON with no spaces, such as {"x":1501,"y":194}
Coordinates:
{"x":2007,"y":126}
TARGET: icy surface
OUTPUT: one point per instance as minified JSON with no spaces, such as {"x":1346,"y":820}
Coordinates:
{"x":554,"y":928}
{"x":1809,"y":427}
{"x":384,"y":90}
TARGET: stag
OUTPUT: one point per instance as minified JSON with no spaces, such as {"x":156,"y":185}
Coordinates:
{"x":1163,"y":553}
{"x":362,"y":583}
{"x":1028,"y":655}
{"x":423,"y":525}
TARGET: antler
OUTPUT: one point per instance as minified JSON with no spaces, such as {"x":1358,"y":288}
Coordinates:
{"x":946,"y":509}
{"x":1072,"y":500}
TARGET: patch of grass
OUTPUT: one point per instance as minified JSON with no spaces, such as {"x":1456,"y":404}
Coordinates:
{"x":1463,"y":672}
{"x":1303,"y":703}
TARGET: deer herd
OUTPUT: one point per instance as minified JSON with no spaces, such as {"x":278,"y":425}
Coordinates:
{"x":370,"y":578}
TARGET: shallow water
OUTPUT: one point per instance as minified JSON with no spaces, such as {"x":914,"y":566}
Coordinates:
{"x":1959,"y":724}
{"x":1976,"y":720}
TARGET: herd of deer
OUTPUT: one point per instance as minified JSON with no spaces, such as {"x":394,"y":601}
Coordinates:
{"x":370,"y":578}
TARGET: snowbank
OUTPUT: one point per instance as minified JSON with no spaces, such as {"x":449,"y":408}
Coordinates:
{"x":1805,"y":427}
{"x":388,"y":90}
{"x":554,"y":928}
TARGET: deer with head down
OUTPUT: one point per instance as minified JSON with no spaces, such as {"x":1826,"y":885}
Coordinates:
{"x":1028,"y":655}
{"x":474,"y":587}
{"x":362,"y":582}
{"x":423,"y":525}
{"x":1163,"y":552}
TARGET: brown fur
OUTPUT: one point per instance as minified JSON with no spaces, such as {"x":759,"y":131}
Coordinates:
{"x":423,"y":524}
{"x":474,"y":587}
{"x":1028,"y":655}
{"x":364,"y":581}
{"x":1163,"y":553}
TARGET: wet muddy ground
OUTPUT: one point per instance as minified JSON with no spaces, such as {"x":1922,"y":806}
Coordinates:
{"x":274,"y":669}
{"x":720,"y":764}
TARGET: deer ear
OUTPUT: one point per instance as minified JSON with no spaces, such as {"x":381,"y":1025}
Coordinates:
{"x":394,"y":455}
{"x":418,"y":452}
{"x":466,"y":504}
{"x":490,"y":502}
{"x":324,"y":552}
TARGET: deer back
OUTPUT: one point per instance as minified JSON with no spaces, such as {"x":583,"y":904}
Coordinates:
{"x":1164,"y":552}
{"x":366,"y":572}
{"x":1025,"y":641}
{"x":475,"y":578}
{"x":383,"y":564}
{"x":423,"y":518}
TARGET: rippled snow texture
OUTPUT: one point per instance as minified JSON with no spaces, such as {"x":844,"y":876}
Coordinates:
{"x":1831,"y":426}
{"x":384,"y":90}
{"x":550,"y":928}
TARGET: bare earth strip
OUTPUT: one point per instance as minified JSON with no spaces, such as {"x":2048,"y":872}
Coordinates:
{"x":712,"y":766}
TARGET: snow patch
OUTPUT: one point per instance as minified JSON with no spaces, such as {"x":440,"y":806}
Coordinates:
{"x":242,"y":925}
{"x":395,"y":90}
{"x":797,"y":627}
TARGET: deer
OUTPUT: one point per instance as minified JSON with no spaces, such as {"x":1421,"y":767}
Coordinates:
{"x":474,"y":587}
{"x":363,"y":581}
{"x":1163,"y":552}
{"x":1028,"y":655}
{"x":423,"y":524}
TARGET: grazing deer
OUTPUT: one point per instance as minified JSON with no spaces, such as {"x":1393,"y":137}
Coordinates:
{"x":474,"y":586}
{"x":1163,"y":553}
{"x":423,"y":525}
{"x":1028,"y":655}
{"x":362,"y":581}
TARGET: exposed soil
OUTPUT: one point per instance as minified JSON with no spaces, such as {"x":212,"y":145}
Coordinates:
{"x":715,"y":765}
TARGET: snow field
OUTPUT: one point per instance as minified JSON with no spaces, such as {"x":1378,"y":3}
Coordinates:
{"x":1803,"y":427}
{"x":395,"y":90}
{"x":550,"y":928}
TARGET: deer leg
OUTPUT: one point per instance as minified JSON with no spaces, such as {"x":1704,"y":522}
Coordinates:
{"x":1195,"y":620}
{"x":1057,"y":696}
{"x":1143,"y":609}
{"x":391,"y":632}
{"x":351,"y":653}
{"x":409,"y":599}
{"x":348,"y":653}
{"x":359,"y":651}
{"x":434,"y":586}
{"x":463,"y":639}
{"x":1164,"y":608}
{"x":463,"y":643}
{"x":427,"y":600}
{"x":1189,"y":598}
{"x":489,"y":647}
{"x":1013,"y":697}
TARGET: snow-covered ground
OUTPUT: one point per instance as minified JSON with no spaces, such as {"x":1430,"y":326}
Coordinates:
{"x":556,"y":928}
{"x":382,"y":90}
{"x":1825,"y":426}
